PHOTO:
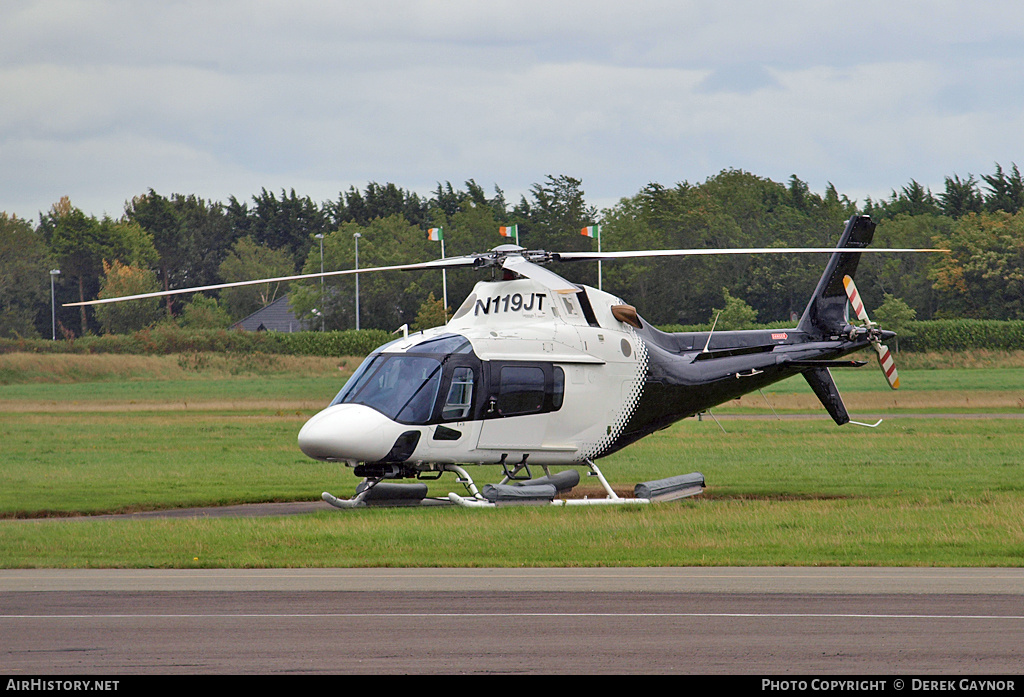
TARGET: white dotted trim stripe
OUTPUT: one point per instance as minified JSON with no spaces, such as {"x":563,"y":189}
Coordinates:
{"x":592,"y":451}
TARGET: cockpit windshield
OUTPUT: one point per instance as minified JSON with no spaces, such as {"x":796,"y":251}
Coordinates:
{"x":401,"y":387}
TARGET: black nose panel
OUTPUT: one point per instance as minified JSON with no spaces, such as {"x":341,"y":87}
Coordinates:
{"x":403,"y":448}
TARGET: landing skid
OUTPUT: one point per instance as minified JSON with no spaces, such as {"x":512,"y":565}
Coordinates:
{"x":542,"y":491}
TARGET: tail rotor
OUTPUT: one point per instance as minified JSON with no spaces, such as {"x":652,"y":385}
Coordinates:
{"x":874,"y":334}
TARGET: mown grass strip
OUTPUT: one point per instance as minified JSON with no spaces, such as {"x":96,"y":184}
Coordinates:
{"x":888,"y":532}
{"x":935,"y":492}
{"x":931,"y":491}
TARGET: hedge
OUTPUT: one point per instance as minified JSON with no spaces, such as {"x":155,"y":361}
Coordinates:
{"x":930,"y":335}
{"x":170,"y":340}
{"x":963,"y":335}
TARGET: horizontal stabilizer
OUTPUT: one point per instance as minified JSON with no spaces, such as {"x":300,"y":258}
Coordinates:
{"x":827,"y":364}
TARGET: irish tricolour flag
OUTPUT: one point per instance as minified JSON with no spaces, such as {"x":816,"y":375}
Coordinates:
{"x":435,"y":234}
{"x":508,"y":230}
{"x":591,"y":231}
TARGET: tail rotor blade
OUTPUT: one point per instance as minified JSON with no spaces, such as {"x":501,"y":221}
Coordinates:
{"x":855,"y":301}
{"x":888,"y":365}
{"x":884,"y":355}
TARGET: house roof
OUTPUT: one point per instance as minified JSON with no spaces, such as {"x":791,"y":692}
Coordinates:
{"x":275,"y":317}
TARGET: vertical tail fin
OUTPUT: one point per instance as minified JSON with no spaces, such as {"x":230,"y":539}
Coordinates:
{"x":826,"y":311}
{"x":820,"y":380}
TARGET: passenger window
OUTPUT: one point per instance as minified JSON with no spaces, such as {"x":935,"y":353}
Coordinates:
{"x":459,"y":404}
{"x":521,"y":390}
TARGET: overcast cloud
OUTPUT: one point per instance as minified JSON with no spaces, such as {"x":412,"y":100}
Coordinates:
{"x":101,"y":100}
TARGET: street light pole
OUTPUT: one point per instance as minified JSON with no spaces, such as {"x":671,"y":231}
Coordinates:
{"x":53,"y":305}
{"x":357,"y":236}
{"x":320,"y":237}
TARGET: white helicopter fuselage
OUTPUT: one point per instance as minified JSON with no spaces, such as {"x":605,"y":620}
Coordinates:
{"x":521,"y":374}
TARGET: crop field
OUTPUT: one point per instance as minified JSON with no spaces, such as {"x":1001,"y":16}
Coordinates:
{"x":939,"y":482}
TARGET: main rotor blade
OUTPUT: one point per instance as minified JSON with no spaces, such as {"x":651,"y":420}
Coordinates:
{"x":435,"y":264}
{"x":548,"y":279}
{"x":600,"y":256}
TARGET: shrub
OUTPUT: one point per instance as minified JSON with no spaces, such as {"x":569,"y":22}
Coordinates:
{"x":927,"y":335}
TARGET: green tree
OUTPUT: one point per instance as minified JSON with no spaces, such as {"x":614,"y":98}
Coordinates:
{"x":192,"y":238}
{"x":379,"y":201}
{"x":912,"y":199}
{"x":470,"y":225}
{"x":24,"y":270}
{"x":386,"y":300}
{"x":204,"y":313}
{"x":210,"y":237}
{"x":154,"y":214}
{"x":81,"y":243}
{"x":250,"y":261}
{"x":895,"y":315}
{"x":431,"y":314}
{"x":735,"y":315}
{"x":983,"y":276}
{"x":961,"y":197}
{"x":131,"y":315}
{"x":286,"y":223}
{"x":731,"y":209}
{"x":903,"y":275}
{"x":648,"y":284}
{"x":555,"y":214}
{"x":1006,"y":190}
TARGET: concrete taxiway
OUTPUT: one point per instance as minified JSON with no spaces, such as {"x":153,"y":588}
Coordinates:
{"x":818,"y":580}
{"x":545,"y":621}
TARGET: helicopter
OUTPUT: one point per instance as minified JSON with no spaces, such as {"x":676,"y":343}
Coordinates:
{"x":542,"y":377}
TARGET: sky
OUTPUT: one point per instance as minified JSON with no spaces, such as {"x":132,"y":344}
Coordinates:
{"x":102,"y":100}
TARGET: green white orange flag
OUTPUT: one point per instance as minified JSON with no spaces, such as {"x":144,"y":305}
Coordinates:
{"x":435,"y":234}
{"x":508,"y":231}
{"x":591,"y":231}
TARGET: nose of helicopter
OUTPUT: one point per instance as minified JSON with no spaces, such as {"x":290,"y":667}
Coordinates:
{"x":348,"y":432}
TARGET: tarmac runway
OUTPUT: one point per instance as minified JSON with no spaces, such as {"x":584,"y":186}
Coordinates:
{"x":717,"y":621}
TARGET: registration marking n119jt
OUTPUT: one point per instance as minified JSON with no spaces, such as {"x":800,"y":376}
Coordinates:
{"x":512,"y":302}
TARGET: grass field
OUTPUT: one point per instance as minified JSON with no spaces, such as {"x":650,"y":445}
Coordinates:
{"x":939,"y":483}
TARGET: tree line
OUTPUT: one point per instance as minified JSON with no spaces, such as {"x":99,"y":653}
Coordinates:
{"x":178,"y":241}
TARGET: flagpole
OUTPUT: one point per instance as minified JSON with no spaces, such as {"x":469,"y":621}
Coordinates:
{"x":592,"y":231}
{"x":444,"y":283}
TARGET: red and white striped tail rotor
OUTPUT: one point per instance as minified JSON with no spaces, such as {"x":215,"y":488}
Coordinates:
{"x":884,"y":355}
{"x":855,"y":302}
{"x":888,"y":365}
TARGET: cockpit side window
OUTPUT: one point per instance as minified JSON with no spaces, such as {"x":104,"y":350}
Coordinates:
{"x":459,"y":404}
